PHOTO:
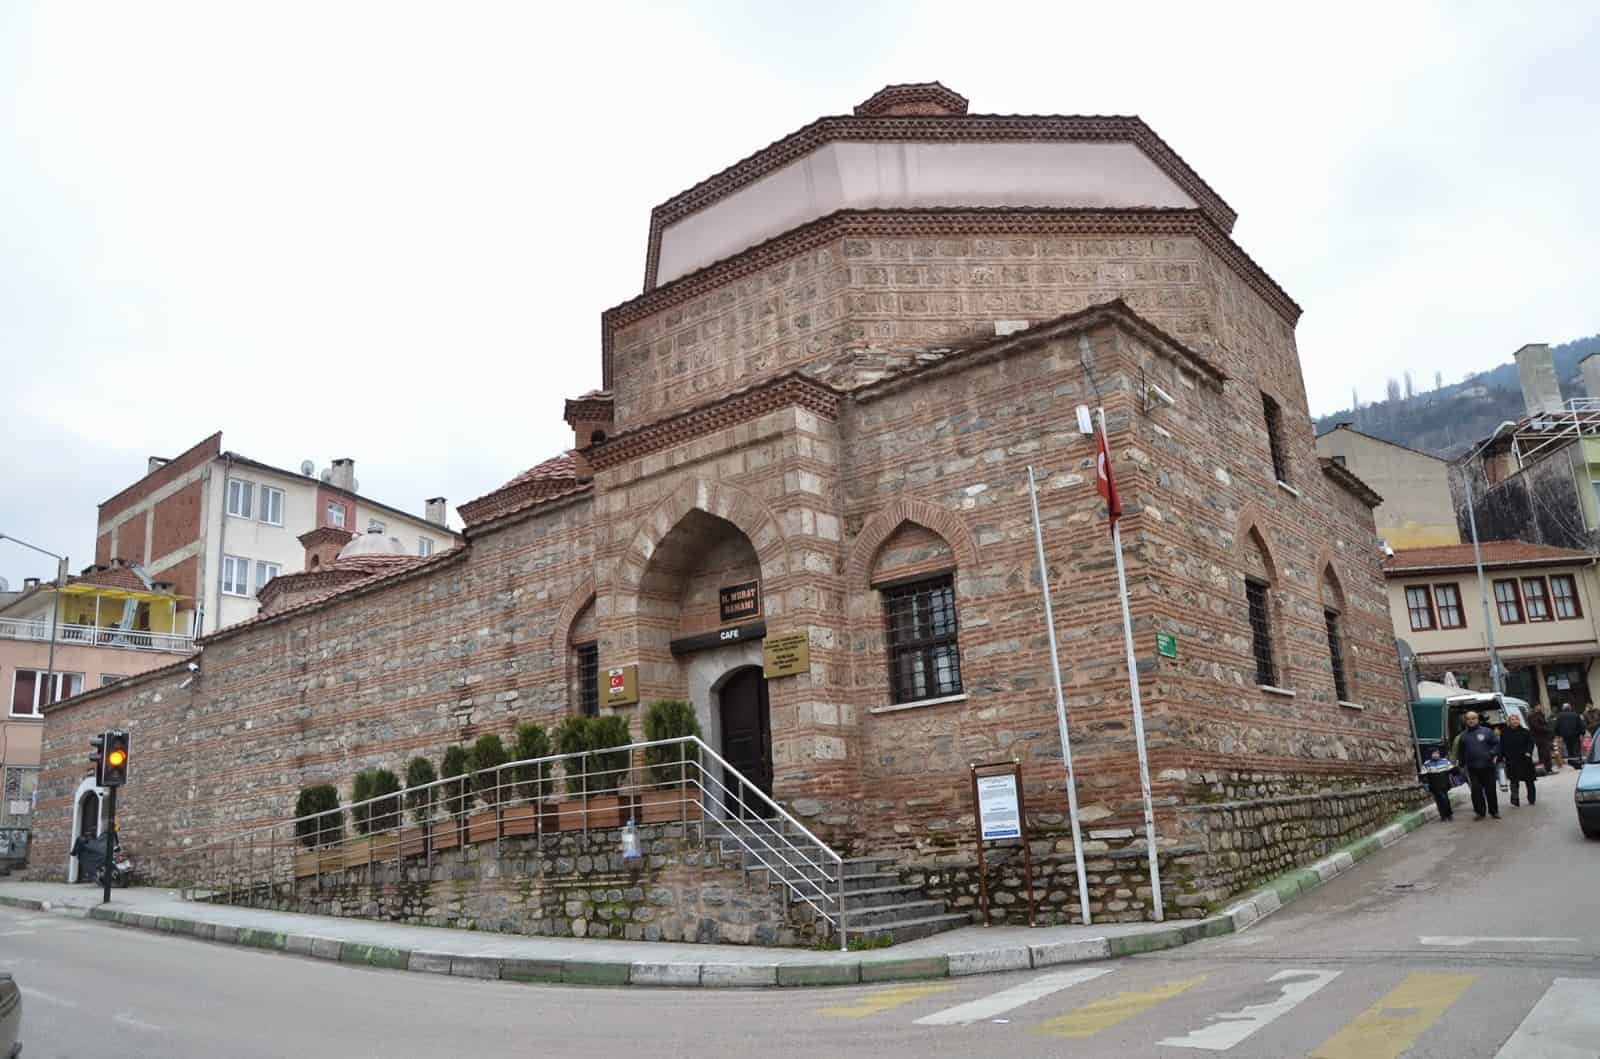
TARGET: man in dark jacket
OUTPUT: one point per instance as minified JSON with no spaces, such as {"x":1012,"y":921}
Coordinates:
{"x":1569,"y":726}
{"x":1516,"y":746}
{"x":1478,"y":748}
{"x":1543,"y":739}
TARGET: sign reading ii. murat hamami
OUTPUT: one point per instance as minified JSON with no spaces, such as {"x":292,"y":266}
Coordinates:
{"x":737,"y":602}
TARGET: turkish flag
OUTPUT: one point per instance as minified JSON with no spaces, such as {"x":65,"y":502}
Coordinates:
{"x":1104,"y":483}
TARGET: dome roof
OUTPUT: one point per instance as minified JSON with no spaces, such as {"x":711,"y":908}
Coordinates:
{"x":372,"y":543}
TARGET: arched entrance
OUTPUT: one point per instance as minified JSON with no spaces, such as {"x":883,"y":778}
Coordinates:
{"x":86,"y":810}
{"x":746,"y":723}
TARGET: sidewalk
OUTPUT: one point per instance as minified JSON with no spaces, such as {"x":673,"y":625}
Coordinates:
{"x":589,"y":961}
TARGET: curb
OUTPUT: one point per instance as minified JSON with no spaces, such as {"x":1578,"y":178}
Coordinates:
{"x":1236,"y":916}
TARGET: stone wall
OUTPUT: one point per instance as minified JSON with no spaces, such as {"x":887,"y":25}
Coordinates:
{"x":568,"y":885}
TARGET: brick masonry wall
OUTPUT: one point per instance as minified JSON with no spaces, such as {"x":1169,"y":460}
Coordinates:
{"x":568,"y":885}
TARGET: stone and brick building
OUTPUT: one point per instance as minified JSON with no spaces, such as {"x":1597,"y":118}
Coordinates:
{"x":817,"y":417}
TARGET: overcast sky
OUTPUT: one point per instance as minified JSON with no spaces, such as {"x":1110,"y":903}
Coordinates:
{"x":388,"y":231}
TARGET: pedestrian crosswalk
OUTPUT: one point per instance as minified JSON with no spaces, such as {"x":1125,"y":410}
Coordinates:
{"x":1353,"y":1013}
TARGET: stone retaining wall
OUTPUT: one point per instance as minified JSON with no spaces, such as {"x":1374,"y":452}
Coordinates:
{"x":568,"y":885}
{"x":1258,"y":827}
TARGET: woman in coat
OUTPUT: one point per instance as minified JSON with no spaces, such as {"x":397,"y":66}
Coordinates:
{"x":1543,"y":739}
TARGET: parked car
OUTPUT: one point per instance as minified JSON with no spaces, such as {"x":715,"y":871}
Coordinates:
{"x":10,"y":1017}
{"x":1587,"y":796}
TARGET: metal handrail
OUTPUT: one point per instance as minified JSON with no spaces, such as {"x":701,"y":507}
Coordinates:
{"x":31,"y":629}
{"x":230,"y":868}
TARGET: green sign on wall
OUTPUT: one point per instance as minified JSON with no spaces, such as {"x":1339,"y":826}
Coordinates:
{"x":1166,"y":645}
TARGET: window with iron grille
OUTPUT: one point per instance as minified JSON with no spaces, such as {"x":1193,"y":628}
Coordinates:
{"x":1508,"y":602}
{"x":1341,"y":690}
{"x":1255,"y":593}
{"x":1419,"y":604}
{"x":1564,"y":590}
{"x":1451,"y":616}
{"x":588,"y":678}
{"x":1274,"y":418}
{"x":924,"y":660}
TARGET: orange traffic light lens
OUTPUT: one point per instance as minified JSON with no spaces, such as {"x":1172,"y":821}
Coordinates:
{"x":116,"y":758}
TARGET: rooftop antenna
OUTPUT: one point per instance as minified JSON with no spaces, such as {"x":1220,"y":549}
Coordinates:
{"x":308,"y":468}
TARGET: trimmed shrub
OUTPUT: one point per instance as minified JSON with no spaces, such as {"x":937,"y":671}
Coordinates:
{"x":456,"y":764}
{"x":325,"y":830}
{"x":487,"y":753}
{"x":609,"y":769}
{"x":381,"y":814}
{"x":669,"y":719}
{"x":419,"y":773}
{"x":572,"y":737}
{"x":533,"y":781}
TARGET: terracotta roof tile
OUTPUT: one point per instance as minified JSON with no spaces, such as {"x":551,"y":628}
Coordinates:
{"x":122,"y":577}
{"x":1495,"y":553}
{"x":554,"y":478}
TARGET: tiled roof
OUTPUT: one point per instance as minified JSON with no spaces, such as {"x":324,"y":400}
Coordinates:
{"x":391,"y":570}
{"x":1495,"y":553}
{"x":554,"y":478}
{"x":1347,"y":478}
{"x":120,"y":577}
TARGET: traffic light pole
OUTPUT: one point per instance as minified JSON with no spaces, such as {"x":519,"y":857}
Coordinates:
{"x":111,"y":841}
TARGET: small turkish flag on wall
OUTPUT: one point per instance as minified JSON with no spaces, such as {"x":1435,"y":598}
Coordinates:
{"x":1104,"y":482}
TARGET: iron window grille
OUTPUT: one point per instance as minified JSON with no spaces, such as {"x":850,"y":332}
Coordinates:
{"x":1274,"y":418}
{"x":1341,"y":689}
{"x":1419,"y":604}
{"x":1535,"y":599}
{"x":1508,"y":602}
{"x":1448,"y":598}
{"x":1255,"y":593}
{"x":1564,"y":590}
{"x":588,"y":678}
{"x":924,"y":657}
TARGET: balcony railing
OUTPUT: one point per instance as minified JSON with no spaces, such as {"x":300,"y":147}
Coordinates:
{"x":95,"y":636}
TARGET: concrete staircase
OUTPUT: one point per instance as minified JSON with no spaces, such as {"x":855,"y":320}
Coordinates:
{"x":877,"y":904}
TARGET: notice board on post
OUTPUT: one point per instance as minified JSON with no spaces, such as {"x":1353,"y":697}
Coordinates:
{"x":1002,"y":815}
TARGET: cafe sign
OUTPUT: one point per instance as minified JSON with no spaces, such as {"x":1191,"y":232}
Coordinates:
{"x":741,"y":601}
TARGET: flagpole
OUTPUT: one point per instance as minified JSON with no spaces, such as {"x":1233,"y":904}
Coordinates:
{"x":1061,"y":705}
{"x":1138,"y":708}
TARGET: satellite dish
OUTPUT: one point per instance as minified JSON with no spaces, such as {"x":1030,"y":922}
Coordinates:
{"x":355,"y":485}
{"x":5,"y":586}
{"x":307,"y":468}
{"x":327,"y":476}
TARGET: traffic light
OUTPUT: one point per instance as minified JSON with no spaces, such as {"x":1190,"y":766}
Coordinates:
{"x":114,"y":772}
{"x":97,"y":757}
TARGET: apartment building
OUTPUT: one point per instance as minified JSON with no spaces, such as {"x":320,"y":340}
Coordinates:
{"x":1542,"y":603}
{"x":218,"y":526}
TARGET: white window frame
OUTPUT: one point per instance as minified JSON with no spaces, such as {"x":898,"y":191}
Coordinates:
{"x":270,"y":570}
{"x":424,"y":547}
{"x":268,"y":495}
{"x":240,"y":568}
{"x":41,"y":679}
{"x":246,"y":492}
{"x":335,"y":506}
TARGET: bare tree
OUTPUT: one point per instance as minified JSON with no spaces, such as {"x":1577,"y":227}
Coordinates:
{"x":1411,"y":391}
{"x":1392,"y":389}
{"x":1438,"y":380}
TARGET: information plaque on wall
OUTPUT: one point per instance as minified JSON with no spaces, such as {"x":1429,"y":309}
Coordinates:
{"x":737,"y":602}
{"x":622,"y":685}
{"x":998,"y":813}
{"x":786,"y":655}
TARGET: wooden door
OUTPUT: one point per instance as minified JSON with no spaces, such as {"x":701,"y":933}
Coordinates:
{"x":747,"y":740}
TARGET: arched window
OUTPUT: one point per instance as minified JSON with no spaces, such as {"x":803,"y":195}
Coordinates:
{"x":583,"y":663}
{"x":914,"y":572}
{"x":1259,"y":579}
{"x":1332,"y":616}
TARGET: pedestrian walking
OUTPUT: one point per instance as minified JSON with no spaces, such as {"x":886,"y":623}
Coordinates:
{"x":1477,"y":750}
{"x":1436,"y":777}
{"x":1591,"y":719}
{"x":1569,"y":727}
{"x":1516,"y":747}
{"x":1539,"y":725}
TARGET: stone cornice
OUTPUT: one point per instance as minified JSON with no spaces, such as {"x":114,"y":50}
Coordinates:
{"x":789,"y":389}
{"x":934,"y":223}
{"x":994,"y":128}
{"x":591,"y":409}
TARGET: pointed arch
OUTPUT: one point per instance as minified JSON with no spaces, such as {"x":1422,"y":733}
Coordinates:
{"x":1251,"y":533}
{"x":752,"y":517}
{"x":1331,"y":585}
{"x":580,"y":597}
{"x":877,"y":529}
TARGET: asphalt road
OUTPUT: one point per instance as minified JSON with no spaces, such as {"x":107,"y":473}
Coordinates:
{"x":1428,"y":948}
